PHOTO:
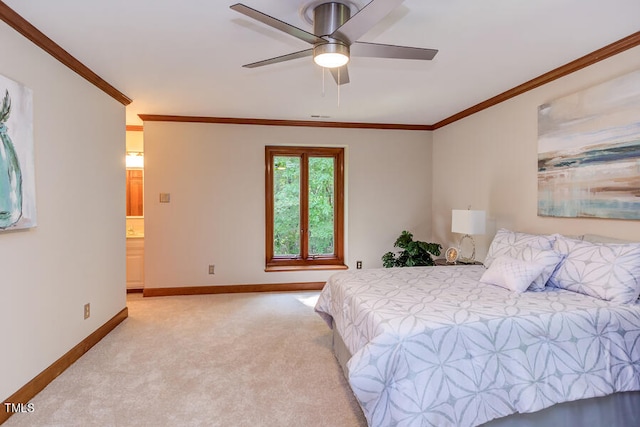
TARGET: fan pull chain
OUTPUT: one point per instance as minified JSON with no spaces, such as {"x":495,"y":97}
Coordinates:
{"x":338,"y":87}
{"x":323,"y":73}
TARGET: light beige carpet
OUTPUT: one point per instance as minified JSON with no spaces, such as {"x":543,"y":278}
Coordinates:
{"x":260,"y":359}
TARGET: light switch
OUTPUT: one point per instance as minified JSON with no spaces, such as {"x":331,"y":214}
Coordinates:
{"x":165,"y":197}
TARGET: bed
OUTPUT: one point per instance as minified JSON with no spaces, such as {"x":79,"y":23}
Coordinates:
{"x":445,"y":346}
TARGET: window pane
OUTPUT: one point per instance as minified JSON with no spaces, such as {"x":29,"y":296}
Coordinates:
{"x":286,"y":206}
{"x":321,"y":205}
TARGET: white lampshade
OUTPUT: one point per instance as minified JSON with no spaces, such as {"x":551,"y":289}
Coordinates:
{"x":468,"y":221}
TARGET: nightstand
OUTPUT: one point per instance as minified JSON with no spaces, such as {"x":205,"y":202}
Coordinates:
{"x":442,"y":261}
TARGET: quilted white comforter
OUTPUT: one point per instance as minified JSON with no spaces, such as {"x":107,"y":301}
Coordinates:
{"x":432,"y":346}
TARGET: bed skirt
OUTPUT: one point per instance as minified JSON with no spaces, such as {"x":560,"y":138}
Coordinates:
{"x":341,"y":351}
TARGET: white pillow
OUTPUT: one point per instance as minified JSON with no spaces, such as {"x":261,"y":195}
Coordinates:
{"x":509,"y":243}
{"x":511,"y":273}
{"x":609,"y":271}
{"x":548,"y":258}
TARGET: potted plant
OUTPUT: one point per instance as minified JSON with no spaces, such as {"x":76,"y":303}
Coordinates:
{"x":414,"y":253}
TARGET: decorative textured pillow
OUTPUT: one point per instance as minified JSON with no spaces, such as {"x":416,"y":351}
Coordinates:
{"x":509,"y":243}
{"x":608,"y":271}
{"x":547,"y":258}
{"x":511,"y":273}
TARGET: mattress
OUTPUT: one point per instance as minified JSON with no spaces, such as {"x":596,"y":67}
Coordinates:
{"x":434,"y":346}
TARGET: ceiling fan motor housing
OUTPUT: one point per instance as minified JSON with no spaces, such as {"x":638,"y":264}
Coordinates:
{"x":328,"y":17}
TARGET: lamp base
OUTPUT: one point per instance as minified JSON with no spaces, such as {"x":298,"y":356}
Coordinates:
{"x":472,"y":258}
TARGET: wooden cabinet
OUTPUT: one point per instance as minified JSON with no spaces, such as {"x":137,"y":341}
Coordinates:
{"x":135,"y":187}
{"x":135,"y":263}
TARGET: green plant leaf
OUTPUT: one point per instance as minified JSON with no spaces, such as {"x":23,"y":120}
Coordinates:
{"x":414,"y":253}
{"x":404,"y":240}
{"x":388,"y":260}
{"x":6,"y":107}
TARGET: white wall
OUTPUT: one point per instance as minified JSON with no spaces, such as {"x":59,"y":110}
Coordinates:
{"x":489,"y":161}
{"x":215,"y":175}
{"x":76,"y":254}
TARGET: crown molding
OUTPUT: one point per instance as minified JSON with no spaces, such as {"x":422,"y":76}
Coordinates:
{"x":610,"y":50}
{"x":30,"y":32}
{"x":272,"y":122}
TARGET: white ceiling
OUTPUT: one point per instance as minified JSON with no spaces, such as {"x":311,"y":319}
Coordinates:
{"x":184,"y":57}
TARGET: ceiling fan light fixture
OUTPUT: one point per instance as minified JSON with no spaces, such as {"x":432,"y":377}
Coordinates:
{"x":331,"y":55}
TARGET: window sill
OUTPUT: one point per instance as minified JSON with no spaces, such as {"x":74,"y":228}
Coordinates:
{"x":270,"y":268}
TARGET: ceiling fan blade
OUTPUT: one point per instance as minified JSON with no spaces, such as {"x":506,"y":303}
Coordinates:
{"x":376,"y":50}
{"x":364,"y":20}
{"x":287,"y":57}
{"x":277,"y":24}
{"x":340,"y":74}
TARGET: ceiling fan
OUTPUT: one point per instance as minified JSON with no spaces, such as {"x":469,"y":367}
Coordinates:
{"x":335,"y":35}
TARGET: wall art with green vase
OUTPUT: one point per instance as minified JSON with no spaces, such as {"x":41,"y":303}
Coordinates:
{"x":17,"y":180}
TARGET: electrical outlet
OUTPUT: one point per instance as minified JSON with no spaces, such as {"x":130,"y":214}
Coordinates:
{"x":358,"y":265}
{"x":87,"y":310}
{"x":212,"y":269}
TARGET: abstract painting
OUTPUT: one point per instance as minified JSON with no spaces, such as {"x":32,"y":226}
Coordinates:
{"x":589,"y":152}
{"x":17,"y":178}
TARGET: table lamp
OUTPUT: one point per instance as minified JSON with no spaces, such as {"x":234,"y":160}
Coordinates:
{"x":468,"y":222}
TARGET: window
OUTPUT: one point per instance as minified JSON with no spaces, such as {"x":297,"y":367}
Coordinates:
{"x":304,"y":208}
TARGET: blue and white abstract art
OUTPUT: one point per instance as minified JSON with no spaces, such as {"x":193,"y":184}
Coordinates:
{"x":589,"y":152}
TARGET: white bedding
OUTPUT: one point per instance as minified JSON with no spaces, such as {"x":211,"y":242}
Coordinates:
{"x":432,"y":346}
